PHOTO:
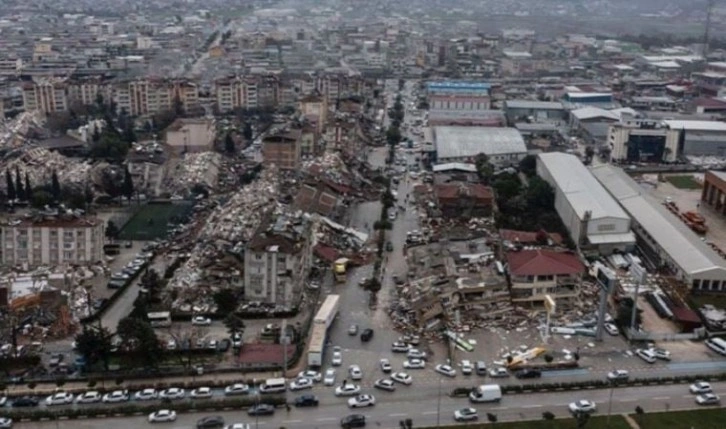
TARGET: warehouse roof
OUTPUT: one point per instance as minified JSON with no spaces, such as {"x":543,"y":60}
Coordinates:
{"x":533,"y":104}
{"x":462,"y":142}
{"x":583,"y":192}
{"x":696,"y":125}
{"x":681,"y":244}
{"x":590,"y":112}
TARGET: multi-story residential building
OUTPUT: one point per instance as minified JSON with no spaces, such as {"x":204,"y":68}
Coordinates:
{"x":536,"y":273}
{"x":46,"y":95}
{"x":283,"y":149}
{"x":149,"y":96}
{"x":10,"y":66}
{"x":277,"y":259}
{"x":52,"y":241}
{"x":85,"y":91}
{"x":314,"y":109}
{"x":235,"y":93}
{"x":191,"y":135}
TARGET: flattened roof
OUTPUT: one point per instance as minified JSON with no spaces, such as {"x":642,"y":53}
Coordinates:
{"x":462,"y":142}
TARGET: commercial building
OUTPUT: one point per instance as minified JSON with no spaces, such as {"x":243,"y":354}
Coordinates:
{"x":536,"y":273}
{"x":663,"y":239}
{"x":54,"y":240}
{"x":643,"y":141}
{"x":592,"y":217}
{"x":714,"y":191}
{"x":534,"y":111}
{"x":466,"y":200}
{"x":191,"y":135}
{"x":457,"y":95}
{"x":700,"y":138}
{"x":283,"y":149}
{"x":503,"y":146}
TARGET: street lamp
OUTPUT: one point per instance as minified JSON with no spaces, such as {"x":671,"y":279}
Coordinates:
{"x":438,"y":406}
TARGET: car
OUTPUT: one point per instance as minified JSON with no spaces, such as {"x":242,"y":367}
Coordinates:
{"x":353,"y":330}
{"x":201,"y":321}
{"x":261,"y":410}
{"x":700,"y":387}
{"x":6,"y":422}
{"x":400,"y":347}
{"x":56,"y":359}
{"x":212,"y":344}
{"x":329,"y":379}
{"x":348,"y":389}
{"x":116,"y":396}
{"x":661,"y":354}
{"x":481,"y":368}
{"x":162,"y":416}
{"x":301,"y":383}
{"x":414,"y":364}
{"x":646,"y":355}
{"x":360,"y":401}
{"x":446,"y":370}
{"x":466,"y":367}
{"x":236,"y":389}
{"x":466,"y":415}
{"x":528,"y":373}
{"x":236,"y":340}
{"x":389,"y":247}
{"x":210,"y":422}
{"x":402,"y":377}
{"x":306,"y":401}
{"x":415,"y":354}
{"x":172,"y":393}
{"x":355,"y":372}
{"x":91,"y":397}
{"x":618,"y":374}
{"x":3,"y":401}
{"x":366,"y":335}
{"x":498,"y":372}
{"x":353,"y":421}
{"x":708,"y":399}
{"x":238,"y":426}
{"x":59,"y":398}
{"x":582,"y":406}
{"x":385,"y":365}
{"x":146,"y":395}
{"x":385,"y":384}
{"x":171,"y":344}
{"x":201,"y":393}
{"x":26,"y":401}
{"x":312,"y":375}
{"x":611,"y":329}
{"x":337,"y":359}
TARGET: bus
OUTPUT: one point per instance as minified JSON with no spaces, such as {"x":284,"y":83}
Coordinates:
{"x":159,"y":319}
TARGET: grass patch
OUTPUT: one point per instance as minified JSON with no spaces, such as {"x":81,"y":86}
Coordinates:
{"x":152,"y":221}
{"x":717,"y":300}
{"x":595,"y":422}
{"x":712,"y":418}
{"x":683,"y":182}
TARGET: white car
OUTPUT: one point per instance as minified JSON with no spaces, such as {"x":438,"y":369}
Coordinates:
{"x":3,"y":400}
{"x":337,"y":359}
{"x":116,"y":396}
{"x":466,"y":367}
{"x":238,"y":426}
{"x":362,"y":401}
{"x":611,"y":329}
{"x":618,"y":374}
{"x":201,"y":393}
{"x":59,"y":398}
{"x":236,"y":389}
{"x":700,"y":387}
{"x":329,"y":379}
{"x":446,"y":370}
{"x":646,"y":355}
{"x":708,"y":399}
{"x":400,"y":347}
{"x":355,"y":372}
{"x":385,"y":384}
{"x":6,"y":422}
{"x":301,"y":383}
{"x":146,"y":395}
{"x":582,"y":406}
{"x":171,"y":344}
{"x":347,"y":390}
{"x":498,"y":372}
{"x":416,"y":354}
{"x":172,"y":393}
{"x":466,"y":414}
{"x":312,"y":375}
{"x":402,"y":377}
{"x":661,"y":354}
{"x":414,"y":364}
{"x":385,"y":366}
{"x":162,"y":416}
{"x":201,"y":321}
{"x":88,"y":397}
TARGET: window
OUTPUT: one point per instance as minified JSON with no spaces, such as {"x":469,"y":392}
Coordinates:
{"x":68,"y":255}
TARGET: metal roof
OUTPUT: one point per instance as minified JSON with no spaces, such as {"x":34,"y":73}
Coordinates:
{"x":533,"y":104}
{"x":461,"y":166}
{"x":681,"y":244}
{"x":582,"y":191}
{"x":462,"y":142}
{"x":696,"y":125}
{"x":590,"y":112}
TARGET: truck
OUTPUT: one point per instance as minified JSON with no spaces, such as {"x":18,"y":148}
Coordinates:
{"x":340,"y":267}
{"x":328,"y":311}
{"x":486,"y":393}
{"x":321,"y":323}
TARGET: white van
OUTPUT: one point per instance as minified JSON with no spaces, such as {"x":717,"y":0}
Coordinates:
{"x":273,"y":385}
{"x":717,"y":344}
{"x":486,"y":393}
{"x":646,"y":355}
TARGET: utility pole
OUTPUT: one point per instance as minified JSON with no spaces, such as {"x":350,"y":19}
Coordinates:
{"x":707,"y":30}
{"x":638,"y":274}
{"x":438,"y":406}
{"x":284,"y":340}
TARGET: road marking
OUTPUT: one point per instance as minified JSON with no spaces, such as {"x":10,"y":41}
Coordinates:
{"x":398,"y":415}
{"x":292,"y":421}
{"x":532,"y":406}
{"x":428,"y":413}
{"x":661,"y":398}
{"x":327,"y":419}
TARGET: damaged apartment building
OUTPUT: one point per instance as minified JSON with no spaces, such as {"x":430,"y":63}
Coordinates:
{"x":278,"y":257}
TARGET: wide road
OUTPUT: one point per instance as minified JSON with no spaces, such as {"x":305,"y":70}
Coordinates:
{"x":426,"y":407}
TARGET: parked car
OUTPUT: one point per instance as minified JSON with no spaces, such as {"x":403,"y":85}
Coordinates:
{"x":367,"y":335}
{"x":353,"y":421}
{"x":26,"y":401}
{"x":618,"y":374}
{"x":466,"y":415}
{"x":162,"y":416}
{"x":91,"y":397}
{"x":337,"y":359}
{"x":59,"y":398}
{"x":400,"y":347}
{"x":385,"y":365}
{"x":481,"y":368}
{"x":210,"y":422}
{"x":582,"y":406}
{"x":611,"y":329}
{"x":172,"y":393}
{"x":416,"y":354}
{"x":355,"y":372}
{"x":661,"y":354}
{"x":201,"y":321}
{"x":6,"y":423}
{"x":700,"y":387}
{"x":329,"y":379}
{"x":347,"y":390}
{"x":261,"y":410}
{"x":116,"y":396}
{"x":528,"y":373}
{"x":498,"y":372}
{"x":201,"y":393}
{"x":414,"y":364}
{"x":56,"y":359}
{"x":466,"y":367}
{"x":301,"y":383}
{"x":385,"y":384}
{"x":236,"y":389}
{"x":402,"y":377}
{"x":360,"y":401}
{"x":312,"y":375}
{"x":146,"y":395}
{"x":646,"y":355}
{"x":446,"y":370}
{"x":353,"y":330}
{"x":306,"y":401}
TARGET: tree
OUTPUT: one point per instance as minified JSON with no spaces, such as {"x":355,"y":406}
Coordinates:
{"x":10,"y":185}
{"x":139,"y":340}
{"x":589,"y":152}
{"x":492,"y":418}
{"x":548,"y":415}
{"x":539,"y":196}
{"x":581,"y":419}
{"x":393,"y":135}
{"x":127,"y":188}
{"x":229,"y":146}
{"x":112,"y":230}
{"x":94,"y":345}
{"x":528,"y":165}
{"x":484,"y":169}
{"x":41,"y":198}
{"x":247,"y":131}
{"x":506,"y":186}
{"x":20,"y":191}
{"x":55,"y":186}
{"x":28,"y":188}
{"x":226,"y":300}
{"x":639,"y":413}
{"x":234,"y":324}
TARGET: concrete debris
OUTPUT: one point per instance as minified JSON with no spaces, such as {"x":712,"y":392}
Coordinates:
{"x":40,"y":163}
{"x":200,"y":168}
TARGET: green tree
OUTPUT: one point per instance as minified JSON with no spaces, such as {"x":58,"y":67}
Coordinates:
{"x":507,"y":186}
{"x":639,"y":414}
{"x":539,"y":195}
{"x":484,"y":168}
{"x":28,"y":188}
{"x":528,"y":165}
{"x":127,"y":189}
{"x":55,"y":186}
{"x":229,"y":146}
{"x":247,"y":131}
{"x":95,"y":345}
{"x":139,"y":340}
{"x":112,"y":230}
{"x":234,"y":324}
{"x":10,"y":185}
{"x":19,"y":189}
{"x":41,"y":198}
{"x":393,"y":135}
{"x":226,"y":300}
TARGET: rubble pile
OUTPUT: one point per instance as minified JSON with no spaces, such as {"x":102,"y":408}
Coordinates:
{"x":40,"y":163}
{"x":13,"y":132}
{"x":195,"y":168}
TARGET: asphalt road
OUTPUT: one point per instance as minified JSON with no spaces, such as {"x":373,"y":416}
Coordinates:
{"x":425,"y":407}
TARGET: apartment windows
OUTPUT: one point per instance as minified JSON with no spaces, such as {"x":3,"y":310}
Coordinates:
{"x":68,"y":255}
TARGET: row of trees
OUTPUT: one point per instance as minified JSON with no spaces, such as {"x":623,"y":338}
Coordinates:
{"x":19,"y":187}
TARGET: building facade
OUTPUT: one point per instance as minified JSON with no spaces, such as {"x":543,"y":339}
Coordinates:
{"x":537,"y":273}
{"x":45,"y":95}
{"x":283,"y":149}
{"x":642,"y":141}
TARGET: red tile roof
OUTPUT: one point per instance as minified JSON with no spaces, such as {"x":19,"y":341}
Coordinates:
{"x":458,"y":190}
{"x":543,"y":262}
{"x":528,"y":237}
